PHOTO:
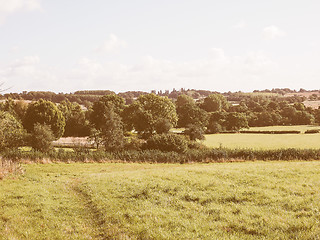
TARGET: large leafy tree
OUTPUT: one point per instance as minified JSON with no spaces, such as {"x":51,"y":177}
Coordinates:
{"x":102,"y":106}
{"x":110,"y":134}
{"x":148,"y":111}
{"x":11,"y":131}
{"x":76,"y":123}
{"x":44,"y":112}
{"x":214,"y":103}
{"x":236,"y":121}
{"x":189,"y":112}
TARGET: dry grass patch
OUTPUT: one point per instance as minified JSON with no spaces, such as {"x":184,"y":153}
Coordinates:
{"x":8,"y":167}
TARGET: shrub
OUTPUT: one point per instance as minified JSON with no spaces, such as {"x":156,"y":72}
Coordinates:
{"x":41,"y":138}
{"x":167,"y":143}
{"x":194,"y":132}
{"x":163,"y":126}
{"x":134,"y":143}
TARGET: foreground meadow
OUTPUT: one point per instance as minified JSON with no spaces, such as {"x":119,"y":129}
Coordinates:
{"x":248,"y":200}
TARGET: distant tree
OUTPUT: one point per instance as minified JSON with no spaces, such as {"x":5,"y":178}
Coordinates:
{"x":216,"y":122}
{"x":41,"y":137}
{"x":76,"y":123}
{"x":45,"y":113}
{"x":163,"y":126}
{"x":189,"y":113}
{"x":110,"y":134}
{"x":236,"y":121}
{"x":215,"y":102}
{"x":100,"y":107}
{"x":16,"y":108}
{"x":145,"y":114}
{"x":12,"y":133}
{"x":195,"y":132}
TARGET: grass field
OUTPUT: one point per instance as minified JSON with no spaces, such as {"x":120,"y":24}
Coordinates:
{"x":263,"y":141}
{"x":267,"y":141}
{"x":301,"y":128}
{"x":251,"y":200}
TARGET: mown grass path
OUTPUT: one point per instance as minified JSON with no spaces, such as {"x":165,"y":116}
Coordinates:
{"x":249,"y":200}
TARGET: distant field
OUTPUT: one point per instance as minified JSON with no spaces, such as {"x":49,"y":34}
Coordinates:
{"x":312,"y":104}
{"x":301,"y":128}
{"x":252,"y":200}
{"x":263,"y":141}
{"x":266,"y":141}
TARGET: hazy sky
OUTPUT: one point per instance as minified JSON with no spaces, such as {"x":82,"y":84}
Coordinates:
{"x":121,"y":45}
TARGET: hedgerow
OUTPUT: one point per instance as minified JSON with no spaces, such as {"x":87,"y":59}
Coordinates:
{"x":158,"y":156}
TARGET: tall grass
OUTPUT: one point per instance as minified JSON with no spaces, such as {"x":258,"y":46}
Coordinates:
{"x":8,"y":167}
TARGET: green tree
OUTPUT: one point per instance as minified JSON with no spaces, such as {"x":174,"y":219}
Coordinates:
{"x":194,"y":132}
{"x":216,"y":122}
{"x":215,"y":102}
{"x":76,"y":123}
{"x":110,"y":134}
{"x":41,"y":138}
{"x":102,"y":106}
{"x":189,"y":113}
{"x":236,"y":121}
{"x":147,"y":112}
{"x":45,"y":113}
{"x":12,"y":133}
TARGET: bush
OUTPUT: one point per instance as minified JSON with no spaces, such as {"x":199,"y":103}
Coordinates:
{"x":194,"y":132}
{"x":163,"y":126}
{"x":134,"y":143}
{"x":167,"y":143}
{"x":41,"y":138}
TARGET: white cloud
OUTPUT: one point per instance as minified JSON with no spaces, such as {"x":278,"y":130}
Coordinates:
{"x":240,"y":25}
{"x":219,"y":71}
{"x":112,"y":44}
{"x":28,"y":74}
{"x":9,"y":7}
{"x":272,"y":32}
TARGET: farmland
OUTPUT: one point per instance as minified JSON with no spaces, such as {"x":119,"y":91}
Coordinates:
{"x":267,"y":141}
{"x":269,"y":200}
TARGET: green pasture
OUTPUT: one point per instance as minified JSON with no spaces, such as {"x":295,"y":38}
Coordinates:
{"x":250,"y":200}
{"x":301,"y":128}
{"x":263,"y":141}
{"x":266,"y":141}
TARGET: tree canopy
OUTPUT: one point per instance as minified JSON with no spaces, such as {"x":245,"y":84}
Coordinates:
{"x":44,"y":112}
{"x":148,"y":111}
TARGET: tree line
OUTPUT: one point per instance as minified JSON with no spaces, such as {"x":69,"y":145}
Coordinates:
{"x":113,"y":124}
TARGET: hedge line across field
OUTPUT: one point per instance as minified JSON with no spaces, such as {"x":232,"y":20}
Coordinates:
{"x":272,"y":132}
{"x":156,"y":156}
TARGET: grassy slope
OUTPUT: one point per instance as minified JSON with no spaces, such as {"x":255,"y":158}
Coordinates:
{"x":270,"y":200}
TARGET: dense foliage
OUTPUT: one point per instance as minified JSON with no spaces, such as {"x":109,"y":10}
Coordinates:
{"x":44,"y":112}
{"x":116,"y":122}
{"x":12,"y":133}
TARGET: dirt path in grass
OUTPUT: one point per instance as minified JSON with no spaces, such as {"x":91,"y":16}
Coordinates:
{"x":96,"y":217}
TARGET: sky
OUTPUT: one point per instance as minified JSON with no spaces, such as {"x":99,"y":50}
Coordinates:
{"x":124,"y":45}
